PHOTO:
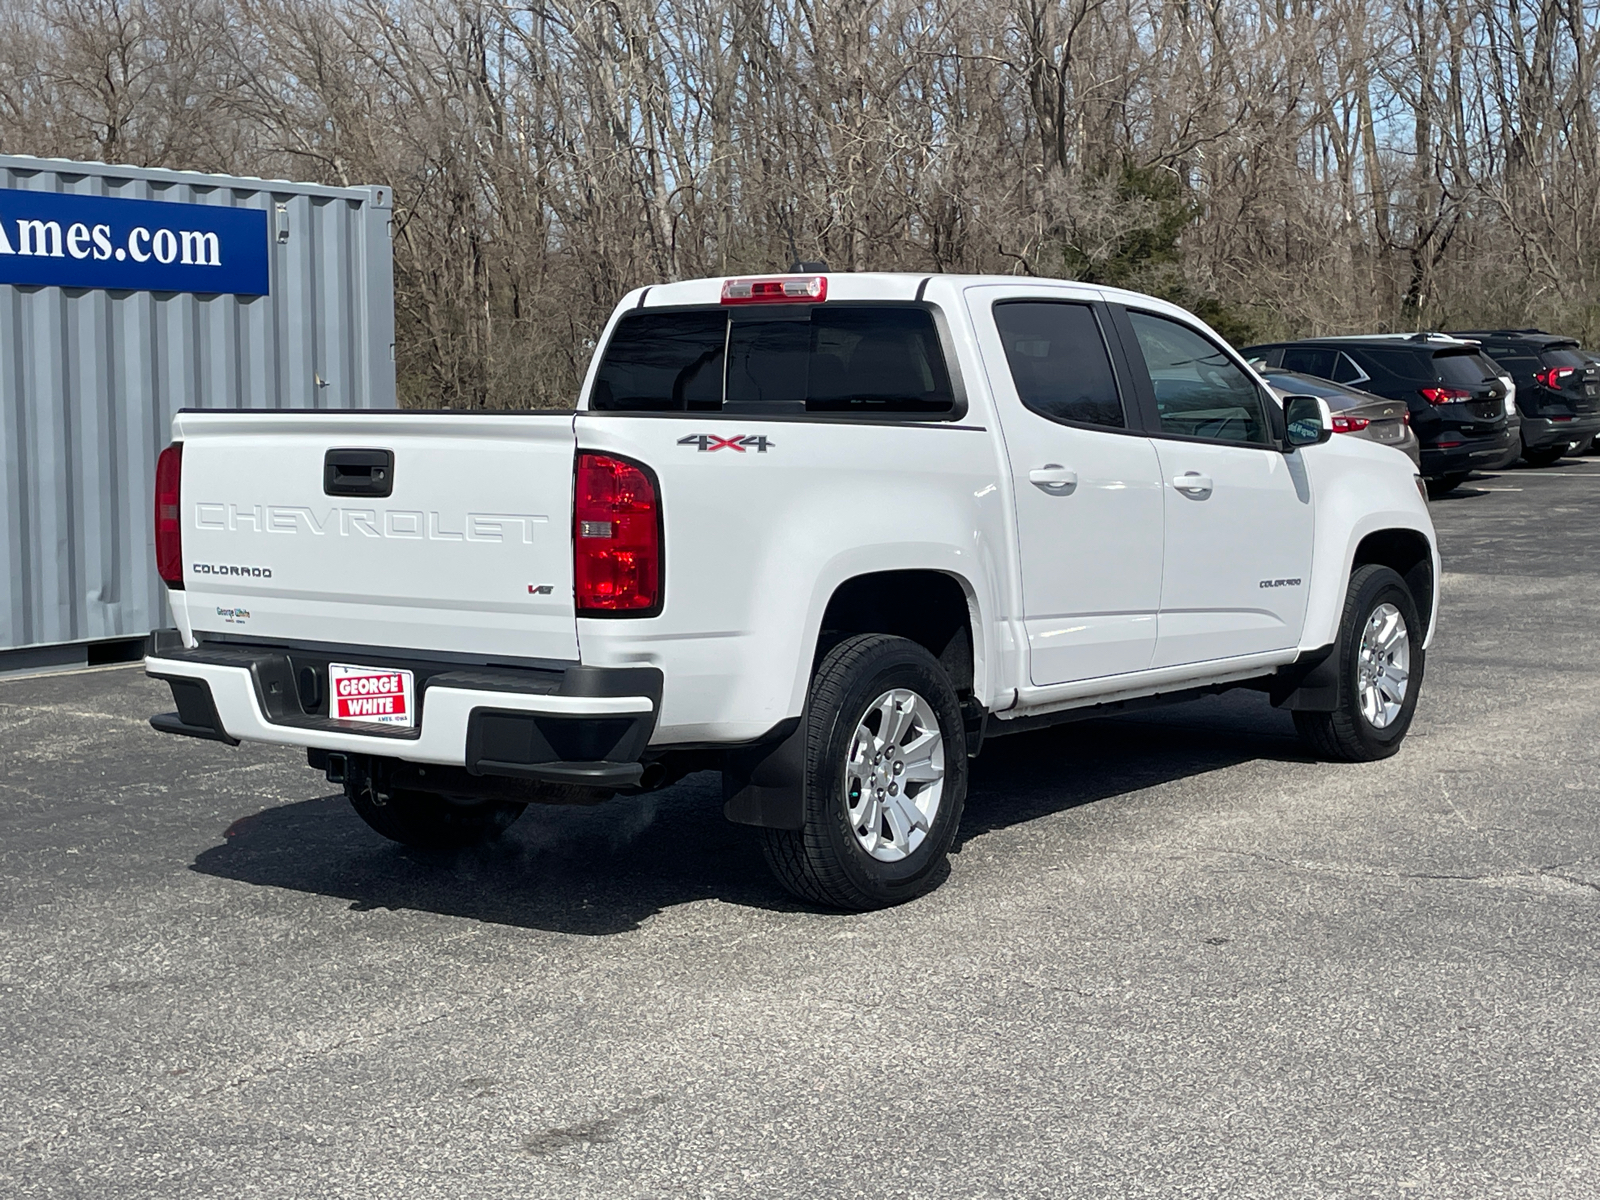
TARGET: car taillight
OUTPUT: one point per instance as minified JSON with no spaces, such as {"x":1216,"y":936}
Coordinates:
{"x":791,"y":289}
{"x":169,"y":523}
{"x":616,"y":538}
{"x":1349,"y":424}
{"x":1551,"y":377}
{"x":1443,"y":395}
{"x":1405,"y":417}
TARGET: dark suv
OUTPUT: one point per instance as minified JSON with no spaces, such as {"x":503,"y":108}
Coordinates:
{"x":1558,"y":389}
{"x":1455,"y":395}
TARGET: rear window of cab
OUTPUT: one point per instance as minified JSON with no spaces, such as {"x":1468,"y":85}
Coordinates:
{"x":843,"y":359}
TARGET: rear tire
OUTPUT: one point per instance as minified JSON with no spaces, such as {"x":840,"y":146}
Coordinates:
{"x":885,"y":778}
{"x":1445,"y":484}
{"x":1375,"y":657}
{"x":1544,"y":456}
{"x":430,"y":822}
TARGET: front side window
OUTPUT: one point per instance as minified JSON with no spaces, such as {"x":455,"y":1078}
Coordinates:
{"x":1059,"y":361}
{"x":1200,"y":391}
{"x":860,"y":360}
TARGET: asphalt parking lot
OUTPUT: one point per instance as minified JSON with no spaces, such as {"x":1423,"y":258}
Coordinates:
{"x":1174,"y":957}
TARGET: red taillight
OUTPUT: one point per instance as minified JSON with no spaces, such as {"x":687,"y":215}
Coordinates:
{"x":616,"y":538}
{"x":1350,"y":424}
{"x":791,"y":289}
{"x":1439,"y":395}
{"x":1551,"y":377}
{"x":1406,"y":417}
{"x":169,"y":525}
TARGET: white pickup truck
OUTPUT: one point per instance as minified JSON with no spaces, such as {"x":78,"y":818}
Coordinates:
{"x":826,"y":534}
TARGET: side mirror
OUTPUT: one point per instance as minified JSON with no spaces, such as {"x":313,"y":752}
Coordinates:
{"x":1309,"y":419}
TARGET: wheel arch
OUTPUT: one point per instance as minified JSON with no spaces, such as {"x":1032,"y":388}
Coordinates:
{"x":933,"y":608}
{"x":1409,"y":554}
{"x":939,"y":610}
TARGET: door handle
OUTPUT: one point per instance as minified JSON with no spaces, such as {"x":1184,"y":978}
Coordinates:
{"x":358,"y":473}
{"x":1193,"y":484}
{"x":1053,"y":478}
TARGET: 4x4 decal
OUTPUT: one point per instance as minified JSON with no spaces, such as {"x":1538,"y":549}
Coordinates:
{"x":710,"y":441}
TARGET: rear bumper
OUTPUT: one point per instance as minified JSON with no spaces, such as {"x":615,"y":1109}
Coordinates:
{"x":1541,"y":432}
{"x":581,"y":725}
{"x":1474,"y":454}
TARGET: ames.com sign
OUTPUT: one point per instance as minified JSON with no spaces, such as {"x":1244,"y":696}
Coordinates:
{"x":54,"y":239}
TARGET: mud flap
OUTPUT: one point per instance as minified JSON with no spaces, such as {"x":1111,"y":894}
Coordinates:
{"x":1310,"y":684}
{"x":765,"y":784}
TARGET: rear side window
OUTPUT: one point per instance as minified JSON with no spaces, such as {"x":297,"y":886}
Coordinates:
{"x":856,"y":360}
{"x":1200,"y":392}
{"x":1346,"y":371}
{"x":1059,"y":361}
{"x":1406,"y":364}
{"x":1310,"y":360}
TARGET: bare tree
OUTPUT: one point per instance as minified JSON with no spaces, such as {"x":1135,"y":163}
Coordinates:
{"x":1300,"y":166}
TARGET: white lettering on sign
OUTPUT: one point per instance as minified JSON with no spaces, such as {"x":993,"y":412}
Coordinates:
{"x":199,"y":248}
{"x":373,"y":694}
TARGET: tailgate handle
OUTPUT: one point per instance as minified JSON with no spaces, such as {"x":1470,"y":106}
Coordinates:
{"x":358,"y":472}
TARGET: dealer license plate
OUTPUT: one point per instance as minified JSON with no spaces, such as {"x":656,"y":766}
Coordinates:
{"x":375,"y":695}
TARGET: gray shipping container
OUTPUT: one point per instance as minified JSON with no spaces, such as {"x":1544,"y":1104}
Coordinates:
{"x":93,"y":367}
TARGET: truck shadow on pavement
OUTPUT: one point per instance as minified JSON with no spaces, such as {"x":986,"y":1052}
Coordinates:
{"x":604,"y":870}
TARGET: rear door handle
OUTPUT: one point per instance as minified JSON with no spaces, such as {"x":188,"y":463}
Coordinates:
{"x":1192,"y":483}
{"x":1053,"y":478}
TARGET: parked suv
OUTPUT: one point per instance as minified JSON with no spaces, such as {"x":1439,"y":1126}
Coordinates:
{"x":1459,"y":403}
{"x":1558,"y":389}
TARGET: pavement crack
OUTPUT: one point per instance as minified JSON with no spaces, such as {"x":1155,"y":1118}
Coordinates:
{"x":312,"y":1055}
{"x":1363,"y":871}
{"x":1572,"y":879}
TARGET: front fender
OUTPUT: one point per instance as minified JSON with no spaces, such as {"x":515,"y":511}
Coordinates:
{"x":1360,"y":489}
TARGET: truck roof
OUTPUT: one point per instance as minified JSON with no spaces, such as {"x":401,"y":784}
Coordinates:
{"x":899,"y":286}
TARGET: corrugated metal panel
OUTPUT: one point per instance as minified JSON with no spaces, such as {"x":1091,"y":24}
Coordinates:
{"x":90,"y":380}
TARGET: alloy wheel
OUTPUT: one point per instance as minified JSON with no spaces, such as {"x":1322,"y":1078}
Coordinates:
{"x":1383,"y":666}
{"x":894,"y":775}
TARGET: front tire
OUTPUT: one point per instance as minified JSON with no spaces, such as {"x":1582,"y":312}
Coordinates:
{"x":428,"y":821}
{"x":1380,"y":664}
{"x":885,"y":778}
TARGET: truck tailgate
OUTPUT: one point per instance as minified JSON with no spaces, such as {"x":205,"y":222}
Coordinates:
{"x":470,"y":551}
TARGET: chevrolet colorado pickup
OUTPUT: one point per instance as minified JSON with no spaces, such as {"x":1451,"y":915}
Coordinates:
{"x":824,"y":534}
